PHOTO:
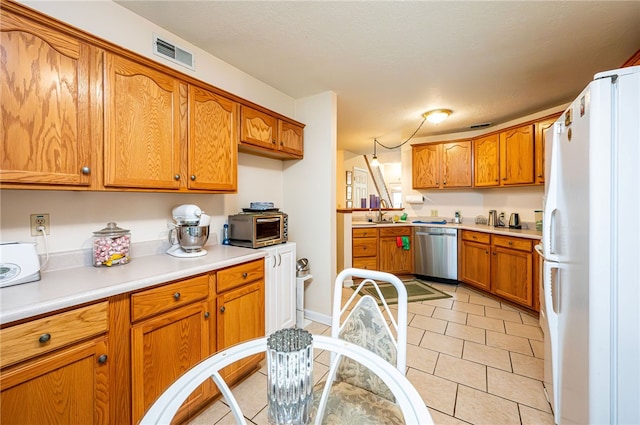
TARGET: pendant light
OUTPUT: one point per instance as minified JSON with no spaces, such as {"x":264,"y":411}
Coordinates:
{"x":374,"y":161}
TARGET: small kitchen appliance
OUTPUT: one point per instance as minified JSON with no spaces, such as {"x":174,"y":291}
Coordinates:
{"x":514,"y":221}
{"x":258,"y":228}
{"x":19,"y":263}
{"x":457,"y":219}
{"x":189,"y":233}
{"x":493,"y":218}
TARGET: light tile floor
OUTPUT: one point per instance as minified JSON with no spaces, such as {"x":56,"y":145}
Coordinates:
{"x":472,"y":358}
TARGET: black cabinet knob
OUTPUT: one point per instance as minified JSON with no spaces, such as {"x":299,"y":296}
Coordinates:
{"x":176,"y":296}
{"x":102,"y":359}
{"x":44,"y":338}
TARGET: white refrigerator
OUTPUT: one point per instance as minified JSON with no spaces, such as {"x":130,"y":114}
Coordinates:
{"x":591,"y":238}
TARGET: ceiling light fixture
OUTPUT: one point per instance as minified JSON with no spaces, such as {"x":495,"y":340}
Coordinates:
{"x":374,"y":161}
{"x":437,"y":115}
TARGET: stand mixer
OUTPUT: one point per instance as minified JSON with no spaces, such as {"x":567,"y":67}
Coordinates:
{"x":189,"y":233}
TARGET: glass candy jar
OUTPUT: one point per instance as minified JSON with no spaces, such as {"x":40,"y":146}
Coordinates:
{"x":111,"y":246}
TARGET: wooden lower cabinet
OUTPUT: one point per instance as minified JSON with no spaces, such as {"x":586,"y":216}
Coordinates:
{"x":501,"y":265}
{"x":392,"y":257}
{"x":64,"y":387}
{"x":475,"y":259}
{"x":162,"y":349}
{"x":364,"y":248}
{"x":240,"y":318}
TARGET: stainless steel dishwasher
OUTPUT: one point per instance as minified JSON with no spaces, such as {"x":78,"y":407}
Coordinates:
{"x":436,"y":252}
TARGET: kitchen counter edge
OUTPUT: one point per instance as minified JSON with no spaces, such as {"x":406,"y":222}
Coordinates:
{"x":521,"y":233}
{"x":70,"y":287}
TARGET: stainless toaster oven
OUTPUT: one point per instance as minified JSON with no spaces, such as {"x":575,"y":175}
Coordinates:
{"x":258,"y":229}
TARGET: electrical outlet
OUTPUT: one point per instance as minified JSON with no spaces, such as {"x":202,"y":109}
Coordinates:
{"x":38,"y":220}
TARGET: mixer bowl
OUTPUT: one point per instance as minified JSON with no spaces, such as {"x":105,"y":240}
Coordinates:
{"x":192,"y":238}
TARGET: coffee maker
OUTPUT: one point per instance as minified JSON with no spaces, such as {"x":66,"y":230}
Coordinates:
{"x":189,"y":233}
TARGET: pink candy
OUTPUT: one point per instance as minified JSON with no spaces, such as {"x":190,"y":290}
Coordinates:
{"x":109,"y":251}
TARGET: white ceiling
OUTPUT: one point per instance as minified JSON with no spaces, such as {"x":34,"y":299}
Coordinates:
{"x":389,"y":61}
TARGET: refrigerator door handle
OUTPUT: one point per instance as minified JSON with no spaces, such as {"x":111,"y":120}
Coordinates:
{"x":552,"y":291}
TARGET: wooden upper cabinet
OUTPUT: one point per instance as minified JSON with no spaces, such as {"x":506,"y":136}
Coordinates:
{"x":291,"y":138}
{"x":213,"y":141}
{"x":258,"y":128}
{"x":46,"y":81}
{"x":426,"y":166}
{"x":516,"y":156}
{"x":272,"y":136}
{"x":441,"y":165}
{"x":456,"y":164}
{"x":541,"y":128}
{"x":144,"y":113}
{"x":486,"y":161}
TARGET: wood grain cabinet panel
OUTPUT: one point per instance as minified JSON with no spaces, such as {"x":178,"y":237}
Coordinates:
{"x":391,"y":257}
{"x":213,"y":142}
{"x":442,"y":165}
{"x":162,"y":349}
{"x":364,"y":248}
{"x":46,"y":81}
{"x":271,"y":136}
{"x":517,"y":156}
{"x":501,"y":265}
{"x":426,"y":166}
{"x":168,"y":297}
{"x":540,"y":143}
{"x":475,"y":264}
{"x":145,"y":111}
{"x":486,"y":161}
{"x":69,"y":386}
{"x":512,"y":275}
{"x":40,"y":336}
{"x":240,"y":317}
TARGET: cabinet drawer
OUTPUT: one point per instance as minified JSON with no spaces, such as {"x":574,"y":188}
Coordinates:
{"x":364,"y":233}
{"x":479,"y":237}
{"x":365,"y":247}
{"x":395,"y":231}
{"x":167,"y":297}
{"x":513,"y":243}
{"x":367,"y":263}
{"x":239,"y":275}
{"x":40,"y":336}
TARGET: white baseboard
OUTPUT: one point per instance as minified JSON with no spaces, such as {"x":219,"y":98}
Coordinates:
{"x":317,"y":317}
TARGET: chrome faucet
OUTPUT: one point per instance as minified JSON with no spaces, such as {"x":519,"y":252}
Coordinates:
{"x":380,"y":213}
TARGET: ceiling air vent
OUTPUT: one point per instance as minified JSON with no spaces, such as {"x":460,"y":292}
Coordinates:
{"x":173,"y":53}
{"x":483,"y":125}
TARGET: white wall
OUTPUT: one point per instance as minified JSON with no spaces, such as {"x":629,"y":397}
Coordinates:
{"x":309,"y":198}
{"x":76,"y":215}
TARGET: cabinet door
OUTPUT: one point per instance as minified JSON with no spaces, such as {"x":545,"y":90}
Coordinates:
{"x":286,"y":301}
{"x":280,"y":287}
{"x":144,"y":112}
{"x":475,"y":267}
{"x":394,"y":258}
{"x":69,"y":386}
{"x":456,"y":164}
{"x":541,"y":128}
{"x":486,"y":161}
{"x":512,"y":275}
{"x":213,"y":141}
{"x":516,"y":156}
{"x":291,"y":138}
{"x":426,"y":166}
{"x":46,"y":86}
{"x":162,"y":349}
{"x":240,"y":317}
{"x":257,"y":128}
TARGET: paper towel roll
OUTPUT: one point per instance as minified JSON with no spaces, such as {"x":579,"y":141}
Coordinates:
{"x":414,"y":199}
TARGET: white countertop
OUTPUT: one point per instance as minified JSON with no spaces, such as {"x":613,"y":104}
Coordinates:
{"x":522,"y":233}
{"x":73,"y":286}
